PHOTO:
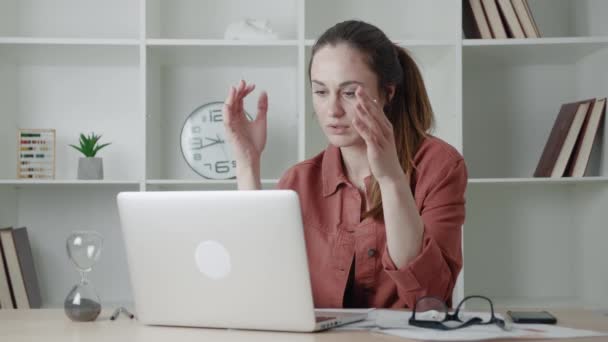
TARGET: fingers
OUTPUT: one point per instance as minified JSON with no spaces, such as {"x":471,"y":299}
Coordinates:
{"x":373,"y":108}
{"x":239,"y":96}
{"x":262,"y":107}
{"x":228,"y":109}
{"x":366,"y":126}
{"x":248,"y":89}
{"x":233,"y":105}
{"x":362,"y":129}
{"x":366,"y":122}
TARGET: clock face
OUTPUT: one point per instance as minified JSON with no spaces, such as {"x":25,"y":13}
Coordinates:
{"x":204,"y":145}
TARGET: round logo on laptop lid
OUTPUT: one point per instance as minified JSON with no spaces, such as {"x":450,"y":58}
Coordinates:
{"x":212,"y":259}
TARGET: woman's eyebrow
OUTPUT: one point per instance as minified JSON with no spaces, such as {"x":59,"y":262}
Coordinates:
{"x":347,"y":83}
{"x":343,"y":84}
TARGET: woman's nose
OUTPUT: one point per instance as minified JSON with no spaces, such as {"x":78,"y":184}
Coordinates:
{"x":335,"y":108}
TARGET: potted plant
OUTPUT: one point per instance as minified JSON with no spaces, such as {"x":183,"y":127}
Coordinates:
{"x":89,"y":166}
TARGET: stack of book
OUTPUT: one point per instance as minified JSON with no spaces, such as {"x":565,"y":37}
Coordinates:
{"x":500,"y":19}
{"x":19,"y":287}
{"x":568,"y":148}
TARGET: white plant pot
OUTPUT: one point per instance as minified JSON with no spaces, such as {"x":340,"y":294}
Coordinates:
{"x":90,"y":168}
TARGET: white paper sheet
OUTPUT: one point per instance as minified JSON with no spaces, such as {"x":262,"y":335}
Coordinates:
{"x":393,"y":322}
{"x":479,"y":333}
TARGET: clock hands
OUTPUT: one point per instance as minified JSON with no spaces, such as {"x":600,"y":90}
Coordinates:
{"x":198,"y":145}
{"x":223,"y":149}
{"x":217,"y":141}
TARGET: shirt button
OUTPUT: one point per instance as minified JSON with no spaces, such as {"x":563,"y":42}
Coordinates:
{"x":371,"y":252}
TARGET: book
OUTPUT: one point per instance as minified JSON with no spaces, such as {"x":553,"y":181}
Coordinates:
{"x":474,"y":21}
{"x":6,"y":296}
{"x":582,"y":149}
{"x":494,"y":19}
{"x":559,"y":145}
{"x":510,"y":19}
{"x":21,"y":270}
{"x":526,"y":20}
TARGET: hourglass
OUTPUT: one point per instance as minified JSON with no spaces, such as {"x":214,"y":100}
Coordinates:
{"x":82,"y":303}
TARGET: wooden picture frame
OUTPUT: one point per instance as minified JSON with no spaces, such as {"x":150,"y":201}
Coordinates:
{"x":36,"y":153}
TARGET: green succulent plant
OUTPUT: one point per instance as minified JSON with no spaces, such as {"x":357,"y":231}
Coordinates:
{"x":88,"y":145}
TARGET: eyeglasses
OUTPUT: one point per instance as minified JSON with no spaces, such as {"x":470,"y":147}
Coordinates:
{"x":431,"y":312}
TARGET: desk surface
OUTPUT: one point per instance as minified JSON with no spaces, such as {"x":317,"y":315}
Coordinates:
{"x":51,"y":325}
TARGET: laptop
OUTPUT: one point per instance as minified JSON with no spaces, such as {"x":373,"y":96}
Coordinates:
{"x":221,"y":259}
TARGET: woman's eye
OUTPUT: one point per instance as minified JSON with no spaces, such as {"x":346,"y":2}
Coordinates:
{"x":320,"y":92}
{"x":349,"y":94}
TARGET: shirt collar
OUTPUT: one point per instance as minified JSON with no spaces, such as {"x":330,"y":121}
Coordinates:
{"x":332,"y":170}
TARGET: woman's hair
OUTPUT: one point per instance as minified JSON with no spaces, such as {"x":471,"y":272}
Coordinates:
{"x":409,"y":111}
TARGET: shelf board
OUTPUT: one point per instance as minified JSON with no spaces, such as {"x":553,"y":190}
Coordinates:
{"x":410,"y":42}
{"x":201,"y":182}
{"x":219,"y":42}
{"x":531,"y":51}
{"x":535,"y":41}
{"x":534,"y":180}
{"x":68,"y":41}
{"x":19,"y":182}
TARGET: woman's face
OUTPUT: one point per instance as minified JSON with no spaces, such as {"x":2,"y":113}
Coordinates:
{"x":335,"y":73}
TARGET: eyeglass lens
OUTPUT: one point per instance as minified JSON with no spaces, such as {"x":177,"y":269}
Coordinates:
{"x":431,"y":309}
{"x":475,"y":307}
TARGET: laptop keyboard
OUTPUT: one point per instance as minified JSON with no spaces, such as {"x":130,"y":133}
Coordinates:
{"x":324,"y":318}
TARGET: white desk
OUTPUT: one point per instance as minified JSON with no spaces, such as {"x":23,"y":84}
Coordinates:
{"x":50,"y":325}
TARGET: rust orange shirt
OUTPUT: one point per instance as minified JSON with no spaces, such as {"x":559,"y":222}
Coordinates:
{"x":337,"y":239}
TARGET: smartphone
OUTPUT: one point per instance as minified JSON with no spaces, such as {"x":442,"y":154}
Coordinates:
{"x":541,"y":317}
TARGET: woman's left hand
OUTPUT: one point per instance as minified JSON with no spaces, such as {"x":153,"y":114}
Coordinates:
{"x":377,"y":132}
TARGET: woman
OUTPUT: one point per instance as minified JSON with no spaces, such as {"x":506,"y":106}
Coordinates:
{"x":383,"y":205}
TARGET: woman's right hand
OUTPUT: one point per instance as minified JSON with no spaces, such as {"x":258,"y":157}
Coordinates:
{"x":247,"y":138}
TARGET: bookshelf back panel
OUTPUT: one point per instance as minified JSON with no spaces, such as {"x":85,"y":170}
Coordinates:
{"x":565,"y":18}
{"x":590,"y":17}
{"x":201,"y":75}
{"x":70,"y":18}
{"x":8,"y":206}
{"x":522,"y":241}
{"x":209,"y":19}
{"x":77,"y":89}
{"x":591,"y":225}
{"x":8,"y":19}
{"x":8,"y":119}
{"x":399,"y":19}
{"x":90,"y":208}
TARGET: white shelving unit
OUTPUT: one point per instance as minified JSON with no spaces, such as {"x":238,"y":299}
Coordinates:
{"x":133,"y":70}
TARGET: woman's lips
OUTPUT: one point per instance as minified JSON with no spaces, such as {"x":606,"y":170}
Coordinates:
{"x":338,"y":129}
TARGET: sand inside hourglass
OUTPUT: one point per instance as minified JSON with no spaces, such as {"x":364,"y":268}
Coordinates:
{"x":87,"y":310}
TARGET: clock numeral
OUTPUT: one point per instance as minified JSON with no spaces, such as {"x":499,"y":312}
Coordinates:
{"x":208,"y":165}
{"x":234,"y":163}
{"x":215,"y":115}
{"x":197,"y":156}
{"x":222,"y":166}
{"x":196,"y":143}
